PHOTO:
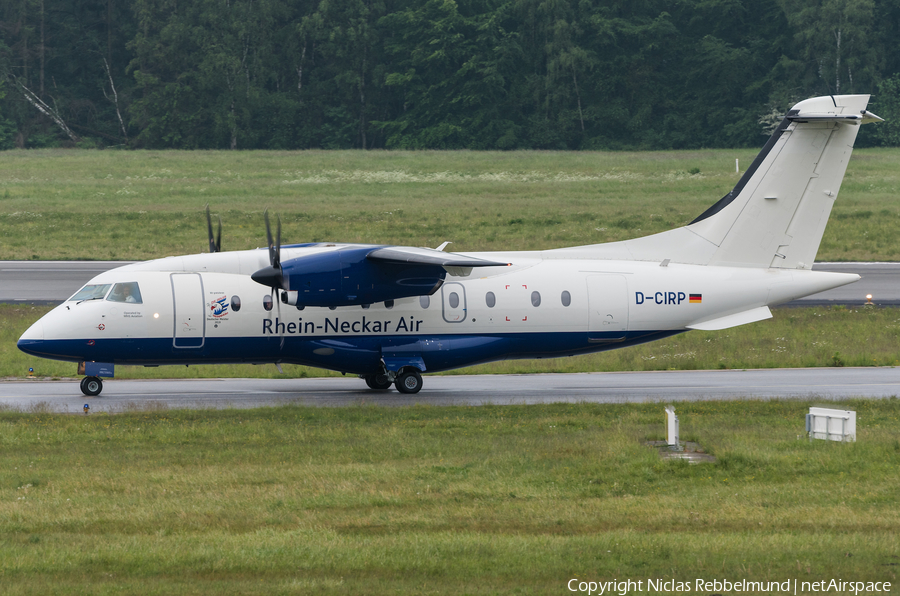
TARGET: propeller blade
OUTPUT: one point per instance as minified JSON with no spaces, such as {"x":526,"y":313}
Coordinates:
{"x":271,"y":243}
{"x":281,"y":331}
{"x":277,"y":262}
{"x":213,"y":244}
{"x":272,"y":275}
{"x":219,"y":235}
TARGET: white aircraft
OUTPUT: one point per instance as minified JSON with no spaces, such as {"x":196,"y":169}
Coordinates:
{"x":391,"y":313}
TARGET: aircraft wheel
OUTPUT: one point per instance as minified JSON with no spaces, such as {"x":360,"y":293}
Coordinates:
{"x":409,"y":382}
{"x":91,"y":386}
{"x":378,"y":382}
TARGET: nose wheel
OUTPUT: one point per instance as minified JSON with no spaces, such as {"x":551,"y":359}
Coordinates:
{"x":91,"y":386}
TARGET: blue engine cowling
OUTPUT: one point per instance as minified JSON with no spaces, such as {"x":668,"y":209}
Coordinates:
{"x":346,"y":278}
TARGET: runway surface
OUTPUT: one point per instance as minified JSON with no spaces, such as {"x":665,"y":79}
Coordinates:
{"x":51,"y":282}
{"x":470,"y":390}
{"x":48,"y":282}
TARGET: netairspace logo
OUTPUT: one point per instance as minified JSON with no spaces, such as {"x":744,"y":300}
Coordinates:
{"x":721,"y":586}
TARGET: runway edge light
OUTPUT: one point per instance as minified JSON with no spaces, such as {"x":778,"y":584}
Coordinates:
{"x":831,"y":425}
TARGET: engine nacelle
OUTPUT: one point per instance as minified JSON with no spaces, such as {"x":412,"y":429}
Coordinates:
{"x":346,"y":278}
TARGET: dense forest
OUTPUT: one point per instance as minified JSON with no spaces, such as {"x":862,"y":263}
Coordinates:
{"x":438,"y":74}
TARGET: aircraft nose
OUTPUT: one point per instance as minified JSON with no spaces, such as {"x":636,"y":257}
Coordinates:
{"x":36,"y":331}
{"x":32,"y":338}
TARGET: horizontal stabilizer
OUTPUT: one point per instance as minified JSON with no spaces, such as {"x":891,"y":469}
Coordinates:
{"x":864,"y":117}
{"x":407,"y":255}
{"x":742,"y":318}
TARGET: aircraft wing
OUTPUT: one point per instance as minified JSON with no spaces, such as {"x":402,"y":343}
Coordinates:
{"x":408,"y":255}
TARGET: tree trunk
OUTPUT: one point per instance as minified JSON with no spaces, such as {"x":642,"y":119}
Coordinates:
{"x":109,"y":31}
{"x":43,"y":108}
{"x":25,"y":56}
{"x":578,"y":97}
{"x":300,"y":70}
{"x":362,"y":96}
{"x":233,"y":124}
{"x":837,"y":63}
{"x":115,"y":99}
{"x":42,"y":49}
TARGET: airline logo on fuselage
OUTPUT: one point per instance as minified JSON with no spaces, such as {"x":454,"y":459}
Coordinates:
{"x":336,"y":325}
{"x":667,"y":298}
{"x":219,"y":307}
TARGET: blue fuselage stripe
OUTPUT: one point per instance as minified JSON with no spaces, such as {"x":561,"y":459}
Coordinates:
{"x":358,"y":355}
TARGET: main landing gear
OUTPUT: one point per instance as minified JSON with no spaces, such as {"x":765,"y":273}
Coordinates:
{"x":408,"y":381}
{"x":91,"y":386}
{"x":378,"y":382}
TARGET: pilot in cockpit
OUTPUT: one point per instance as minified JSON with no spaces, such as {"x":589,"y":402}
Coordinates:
{"x":125,"y":292}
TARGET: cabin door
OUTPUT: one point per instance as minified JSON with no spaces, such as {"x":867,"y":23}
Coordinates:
{"x":608,"y":303}
{"x":190,"y":310}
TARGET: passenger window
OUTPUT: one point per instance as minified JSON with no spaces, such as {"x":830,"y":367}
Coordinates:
{"x":490,"y":299}
{"x":389,"y":304}
{"x":126,"y":292}
{"x":454,"y":300}
{"x":566,"y":298}
{"x":535,"y":299}
{"x":267,"y":302}
{"x":424,"y":301}
{"x":235,"y":303}
{"x":91,"y":292}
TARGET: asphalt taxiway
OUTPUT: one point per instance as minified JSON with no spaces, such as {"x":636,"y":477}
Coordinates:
{"x":47,"y":282}
{"x":468,"y":390}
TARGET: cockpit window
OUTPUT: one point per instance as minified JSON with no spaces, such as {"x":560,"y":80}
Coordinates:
{"x":126,"y":292}
{"x":91,"y":292}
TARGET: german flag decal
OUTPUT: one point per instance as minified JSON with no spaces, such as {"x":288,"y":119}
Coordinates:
{"x":696,"y":298}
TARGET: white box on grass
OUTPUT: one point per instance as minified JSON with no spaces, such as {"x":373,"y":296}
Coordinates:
{"x":830,"y":424}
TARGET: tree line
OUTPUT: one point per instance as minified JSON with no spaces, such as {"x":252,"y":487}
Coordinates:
{"x":434,"y":74}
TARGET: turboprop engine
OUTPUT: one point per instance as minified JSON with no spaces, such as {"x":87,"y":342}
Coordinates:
{"x":348,"y":277}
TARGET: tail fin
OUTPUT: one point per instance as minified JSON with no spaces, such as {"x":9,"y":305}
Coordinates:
{"x":776,"y":215}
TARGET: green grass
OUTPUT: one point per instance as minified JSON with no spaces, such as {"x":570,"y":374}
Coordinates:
{"x":80,"y":204}
{"x":794,"y":337}
{"x":450,"y":500}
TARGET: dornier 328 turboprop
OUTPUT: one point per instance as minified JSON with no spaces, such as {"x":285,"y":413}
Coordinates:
{"x":391,"y":313}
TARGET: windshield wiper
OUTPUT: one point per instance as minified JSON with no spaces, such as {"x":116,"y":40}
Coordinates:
{"x":88,"y":299}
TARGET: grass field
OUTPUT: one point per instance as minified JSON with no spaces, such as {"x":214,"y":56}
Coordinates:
{"x":78,"y":204}
{"x":425,"y":500}
{"x":794,"y":337}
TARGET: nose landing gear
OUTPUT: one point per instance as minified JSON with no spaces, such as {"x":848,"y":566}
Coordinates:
{"x":91,"y":386}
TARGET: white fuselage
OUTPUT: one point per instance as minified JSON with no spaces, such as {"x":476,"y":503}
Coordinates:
{"x":545,"y":304}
